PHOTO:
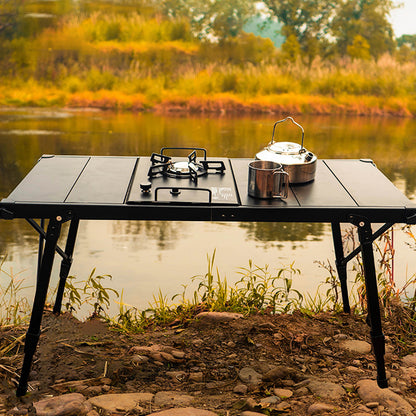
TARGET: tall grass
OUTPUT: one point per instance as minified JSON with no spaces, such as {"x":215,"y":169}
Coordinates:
{"x":258,"y":290}
{"x":119,"y":55}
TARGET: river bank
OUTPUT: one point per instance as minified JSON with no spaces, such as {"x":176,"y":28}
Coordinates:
{"x":216,"y":104}
{"x":223,"y":364}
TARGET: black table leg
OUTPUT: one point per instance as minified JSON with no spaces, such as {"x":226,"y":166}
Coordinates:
{"x":341,"y":264}
{"x":377,"y":338}
{"x":42,"y":284}
{"x":66,"y":264}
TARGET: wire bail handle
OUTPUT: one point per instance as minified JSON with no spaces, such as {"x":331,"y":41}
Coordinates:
{"x":302,"y":149}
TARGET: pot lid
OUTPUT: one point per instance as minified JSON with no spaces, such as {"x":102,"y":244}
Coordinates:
{"x":285,"y":148}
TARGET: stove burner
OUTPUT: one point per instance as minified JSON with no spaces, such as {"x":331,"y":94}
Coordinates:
{"x":192,"y":169}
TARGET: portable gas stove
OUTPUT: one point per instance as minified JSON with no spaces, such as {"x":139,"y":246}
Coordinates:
{"x":162,"y":179}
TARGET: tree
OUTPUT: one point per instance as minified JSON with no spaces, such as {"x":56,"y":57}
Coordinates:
{"x":10,"y":15}
{"x":291,"y":48}
{"x":359,"y":49}
{"x":409,"y":40}
{"x":365,"y":18}
{"x":306,"y":20}
{"x":212,"y":19}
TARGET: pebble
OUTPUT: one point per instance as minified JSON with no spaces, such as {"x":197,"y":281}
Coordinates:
{"x":186,"y":411}
{"x":216,"y":317}
{"x":172,"y":398}
{"x":281,"y":372}
{"x":320,"y":408}
{"x":63,"y":405}
{"x":240,"y":389}
{"x":125,"y":402}
{"x":355,"y":346}
{"x":283,"y":393}
{"x":326,"y":390}
{"x":250,"y":376}
{"x":409,"y":360}
{"x":369,"y":392}
{"x":270,"y":400}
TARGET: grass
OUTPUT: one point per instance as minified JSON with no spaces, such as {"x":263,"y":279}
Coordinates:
{"x":258,"y":290}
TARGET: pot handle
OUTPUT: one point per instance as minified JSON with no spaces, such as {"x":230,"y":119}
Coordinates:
{"x":302,"y":149}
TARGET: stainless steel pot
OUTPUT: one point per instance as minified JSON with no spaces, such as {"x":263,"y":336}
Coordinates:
{"x":297,"y":161}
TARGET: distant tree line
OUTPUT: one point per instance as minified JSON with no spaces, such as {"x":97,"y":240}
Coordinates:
{"x":358,"y":28}
{"x":312,"y":28}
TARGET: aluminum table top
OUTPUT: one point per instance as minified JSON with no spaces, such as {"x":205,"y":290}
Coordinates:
{"x":99,"y":187}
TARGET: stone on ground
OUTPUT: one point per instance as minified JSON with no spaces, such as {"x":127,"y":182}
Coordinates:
{"x":66,"y":404}
{"x":125,"y":402}
{"x":185,"y":411}
{"x":369,"y":391}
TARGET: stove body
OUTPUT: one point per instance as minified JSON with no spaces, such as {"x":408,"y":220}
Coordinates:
{"x":162,"y":179}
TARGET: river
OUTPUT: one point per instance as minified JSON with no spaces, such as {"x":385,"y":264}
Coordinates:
{"x":144,"y":256}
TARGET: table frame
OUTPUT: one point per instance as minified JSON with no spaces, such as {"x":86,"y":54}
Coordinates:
{"x":398,"y":210}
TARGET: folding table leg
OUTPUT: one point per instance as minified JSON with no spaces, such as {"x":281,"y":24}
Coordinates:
{"x":341,"y":264}
{"x":42,"y":284}
{"x":377,"y":338}
{"x":66,"y":264}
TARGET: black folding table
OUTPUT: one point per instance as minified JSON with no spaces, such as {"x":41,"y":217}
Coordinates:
{"x":74,"y":188}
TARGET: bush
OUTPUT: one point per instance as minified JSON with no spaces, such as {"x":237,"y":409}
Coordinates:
{"x":97,"y":80}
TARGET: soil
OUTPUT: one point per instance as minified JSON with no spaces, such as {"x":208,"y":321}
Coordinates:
{"x":214,"y":354}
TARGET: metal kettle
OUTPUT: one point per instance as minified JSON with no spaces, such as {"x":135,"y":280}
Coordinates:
{"x":297,"y":161}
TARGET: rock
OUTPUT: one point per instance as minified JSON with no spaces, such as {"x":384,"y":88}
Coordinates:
{"x":158,"y":353}
{"x":361,"y":414}
{"x":326,"y":390}
{"x":185,"y":411}
{"x":301,"y":391}
{"x":249,"y":413}
{"x":282,"y":407}
{"x":280,"y":373}
{"x":176,"y":375}
{"x":197,"y":376}
{"x":125,"y":402}
{"x":369,"y":391}
{"x":216,"y":317}
{"x":250,"y":376}
{"x":352,"y":369}
{"x":340,"y":337}
{"x":240,"y":389}
{"x":319,"y":408}
{"x":79,"y":386}
{"x":409,"y":360}
{"x":355,"y":346}
{"x":270,"y":400}
{"x":283,"y":393}
{"x":172,"y":398}
{"x":66,"y":404}
{"x":250,"y":403}
{"x":139,"y":359}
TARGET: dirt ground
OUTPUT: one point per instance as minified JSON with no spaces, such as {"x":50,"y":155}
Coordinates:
{"x":207,"y":362}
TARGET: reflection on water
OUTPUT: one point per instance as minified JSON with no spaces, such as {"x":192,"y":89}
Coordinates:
{"x":286,"y":231}
{"x":145,"y":255}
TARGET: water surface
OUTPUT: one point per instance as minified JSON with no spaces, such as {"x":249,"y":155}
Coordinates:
{"x":143,"y":256}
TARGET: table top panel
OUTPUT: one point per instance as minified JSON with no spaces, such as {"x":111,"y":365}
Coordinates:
{"x":50,"y":180}
{"x":366,"y":184}
{"x":104,"y":180}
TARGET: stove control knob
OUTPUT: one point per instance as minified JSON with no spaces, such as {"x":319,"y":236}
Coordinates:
{"x":145,"y":187}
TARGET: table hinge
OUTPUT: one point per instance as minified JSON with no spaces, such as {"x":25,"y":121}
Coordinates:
{"x":6,"y":214}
